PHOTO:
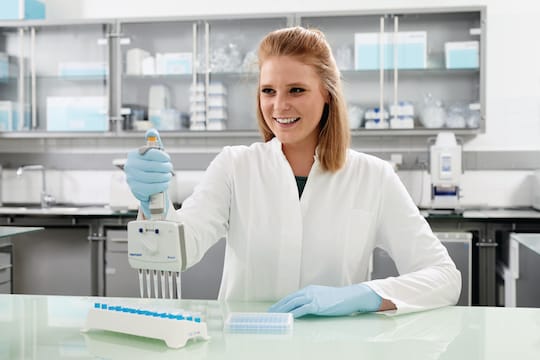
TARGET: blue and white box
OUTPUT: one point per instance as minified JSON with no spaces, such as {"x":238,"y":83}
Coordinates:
{"x":77,"y":113}
{"x":410,"y":48}
{"x":22,"y":9}
{"x":82,"y":69}
{"x":462,"y":55}
{"x":8,"y":116}
{"x":174,"y":63}
{"x":4,"y":67}
{"x":10,"y":119}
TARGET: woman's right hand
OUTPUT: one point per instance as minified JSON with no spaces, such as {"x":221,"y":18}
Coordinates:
{"x":148,"y":174}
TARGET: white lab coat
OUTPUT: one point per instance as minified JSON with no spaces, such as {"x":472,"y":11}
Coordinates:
{"x":277,"y":244}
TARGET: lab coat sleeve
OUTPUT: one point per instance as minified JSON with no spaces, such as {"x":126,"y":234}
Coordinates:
{"x":205,"y":214}
{"x":428,"y":276}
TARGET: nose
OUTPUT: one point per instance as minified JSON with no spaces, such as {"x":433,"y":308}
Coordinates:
{"x":281,"y":102}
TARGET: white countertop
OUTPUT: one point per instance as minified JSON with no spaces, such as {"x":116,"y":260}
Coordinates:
{"x":525,"y":213}
{"x":49,"y":327}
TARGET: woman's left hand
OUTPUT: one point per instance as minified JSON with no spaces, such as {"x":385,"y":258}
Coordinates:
{"x":329,"y":301}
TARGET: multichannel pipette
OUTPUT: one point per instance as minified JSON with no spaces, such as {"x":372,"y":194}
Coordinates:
{"x":156,"y":247}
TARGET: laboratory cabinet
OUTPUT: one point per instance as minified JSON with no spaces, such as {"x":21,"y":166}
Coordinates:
{"x":5,"y":266}
{"x":54,"y":77}
{"x":520,"y":272}
{"x":65,"y":258}
{"x":192,"y":75}
{"x":518,"y":266}
{"x":405,"y":72}
{"x":55,"y":261}
{"x":410,"y":70}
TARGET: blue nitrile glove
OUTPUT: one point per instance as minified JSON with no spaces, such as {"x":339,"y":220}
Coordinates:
{"x":148,"y":174}
{"x":329,"y":301}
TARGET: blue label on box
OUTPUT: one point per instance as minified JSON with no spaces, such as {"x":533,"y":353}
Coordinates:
{"x":462,"y":59}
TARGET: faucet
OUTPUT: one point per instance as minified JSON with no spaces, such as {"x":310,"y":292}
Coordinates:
{"x":46,"y":199}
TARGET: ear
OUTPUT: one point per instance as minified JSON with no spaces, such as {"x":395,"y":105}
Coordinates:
{"x":326,"y":97}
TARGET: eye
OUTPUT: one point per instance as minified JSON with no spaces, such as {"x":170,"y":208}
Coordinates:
{"x":267,"y":91}
{"x":296,"y":90}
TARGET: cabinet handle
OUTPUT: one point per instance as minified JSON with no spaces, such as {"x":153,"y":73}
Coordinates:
{"x":21,"y":79}
{"x":96,"y":238}
{"x":486,"y":244}
{"x":33,"y":77}
{"x":207,"y":72}
{"x":381,"y":68}
{"x":395,"y":49}
{"x":194,"y":57}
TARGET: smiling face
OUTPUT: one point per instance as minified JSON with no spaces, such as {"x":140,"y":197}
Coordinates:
{"x":291,"y":101}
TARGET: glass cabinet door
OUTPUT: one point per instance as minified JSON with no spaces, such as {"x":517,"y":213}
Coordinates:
{"x":14,"y":82}
{"x":409,"y":71}
{"x":69,"y":77}
{"x":361,"y":81}
{"x":158,"y":71}
{"x":233,"y":71}
{"x":447,"y":93}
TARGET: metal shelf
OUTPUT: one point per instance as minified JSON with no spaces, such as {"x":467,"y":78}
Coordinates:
{"x":221,"y":134}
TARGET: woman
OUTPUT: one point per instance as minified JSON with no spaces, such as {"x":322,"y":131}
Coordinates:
{"x":302,"y":212}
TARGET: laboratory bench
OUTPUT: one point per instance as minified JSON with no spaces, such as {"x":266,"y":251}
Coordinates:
{"x":93,"y":242}
{"x":49,"y":327}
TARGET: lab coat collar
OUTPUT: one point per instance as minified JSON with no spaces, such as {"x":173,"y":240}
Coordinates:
{"x":277,"y":147}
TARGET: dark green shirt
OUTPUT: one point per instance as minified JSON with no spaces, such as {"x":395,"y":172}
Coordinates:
{"x":301,"y":183}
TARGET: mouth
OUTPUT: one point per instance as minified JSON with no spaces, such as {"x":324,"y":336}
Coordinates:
{"x":286,"y":121}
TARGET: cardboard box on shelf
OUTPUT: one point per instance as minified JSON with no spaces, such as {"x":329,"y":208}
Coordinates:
{"x":462,"y":55}
{"x":410,"y":48}
{"x":22,"y":9}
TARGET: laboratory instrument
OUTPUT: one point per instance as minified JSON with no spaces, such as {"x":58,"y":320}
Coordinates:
{"x":174,"y":326}
{"x":156,"y":246}
{"x":265,"y":323}
{"x":402,"y":115}
{"x":376,"y":119}
{"x":446,"y":169}
{"x":432,"y":114}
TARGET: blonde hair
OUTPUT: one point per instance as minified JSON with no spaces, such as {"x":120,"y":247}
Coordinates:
{"x":310,"y":47}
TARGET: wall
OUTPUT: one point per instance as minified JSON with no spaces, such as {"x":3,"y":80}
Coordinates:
{"x":513,"y":75}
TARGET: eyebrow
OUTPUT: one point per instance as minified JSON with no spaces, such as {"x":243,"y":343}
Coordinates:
{"x":296,"y":84}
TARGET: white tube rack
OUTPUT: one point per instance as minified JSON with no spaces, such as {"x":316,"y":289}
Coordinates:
{"x":173,"y":327}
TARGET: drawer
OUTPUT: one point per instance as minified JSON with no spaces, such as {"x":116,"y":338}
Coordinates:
{"x":5,"y":287}
{"x":5,"y":259}
{"x":5,"y":274}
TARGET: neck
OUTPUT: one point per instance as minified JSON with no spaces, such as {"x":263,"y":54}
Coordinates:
{"x":300,"y":158}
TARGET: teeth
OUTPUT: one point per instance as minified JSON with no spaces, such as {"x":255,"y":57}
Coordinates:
{"x":286,"y":120}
